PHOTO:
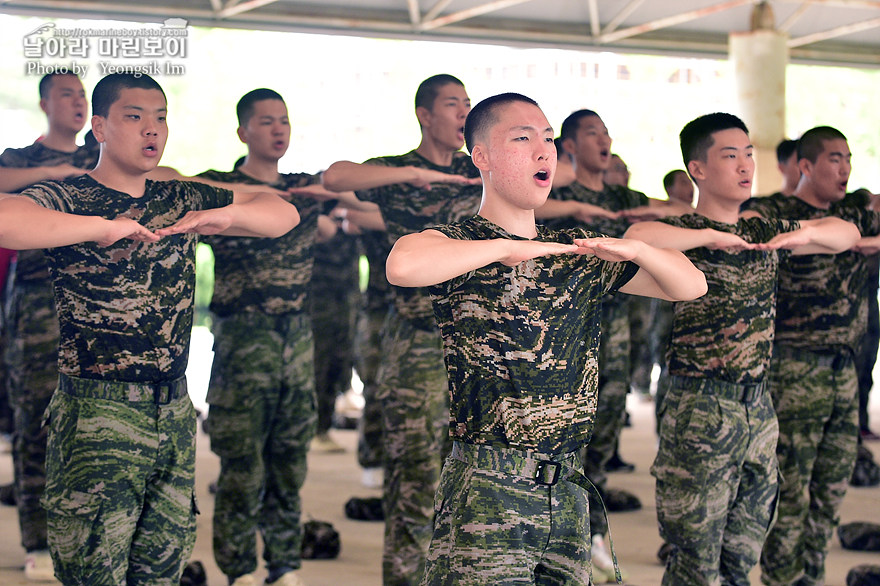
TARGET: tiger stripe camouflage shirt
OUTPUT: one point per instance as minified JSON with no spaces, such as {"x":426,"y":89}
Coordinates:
{"x":612,"y":197}
{"x":271,"y":275}
{"x":727,"y":334}
{"x":821,"y":304}
{"x":32,"y":265}
{"x":125,"y":310}
{"x":407,"y":208}
{"x":522,"y":343}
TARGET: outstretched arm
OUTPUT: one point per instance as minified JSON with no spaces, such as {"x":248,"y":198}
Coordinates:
{"x":430,"y":257}
{"x":823,"y":236}
{"x":262,"y":215}
{"x":17,"y":178}
{"x":663,"y":235}
{"x":24,"y":224}
{"x":582,"y":211}
{"x":663,"y":272}
{"x":349,"y":176}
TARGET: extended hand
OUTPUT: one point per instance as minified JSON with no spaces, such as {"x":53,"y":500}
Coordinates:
{"x":611,"y":249}
{"x":204,"y":222}
{"x":523,"y":250}
{"x":315,"y":191}
{"x":126,"y":228}
{"x":425,"y":177}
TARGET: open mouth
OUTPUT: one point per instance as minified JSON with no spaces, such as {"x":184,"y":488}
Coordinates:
{"x":542,"y":175}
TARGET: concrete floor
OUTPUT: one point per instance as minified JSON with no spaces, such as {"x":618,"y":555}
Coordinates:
{"x":334,"y":478}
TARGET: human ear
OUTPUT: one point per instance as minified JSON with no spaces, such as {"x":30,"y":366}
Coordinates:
{"x":480,"y":157}
{"x":695,"y":168}
{"x":98,"y":127}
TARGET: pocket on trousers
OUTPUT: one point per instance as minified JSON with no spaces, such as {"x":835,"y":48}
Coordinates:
{"x":75,"y":532}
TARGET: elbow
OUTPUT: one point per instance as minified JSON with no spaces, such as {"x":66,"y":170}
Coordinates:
{"x":697,"y":287}
{"x":394,"y":271}
{"x":399,"y":270}
{"x":331,"y":179}
{"x":287,"y":222}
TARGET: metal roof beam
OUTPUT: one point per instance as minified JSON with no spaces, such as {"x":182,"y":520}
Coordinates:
{"x":839,"y":31}
{"x":670,"y":21}
{"x":621,"y":16}
{"x":244,"y":7}
{"x":486,"y":8}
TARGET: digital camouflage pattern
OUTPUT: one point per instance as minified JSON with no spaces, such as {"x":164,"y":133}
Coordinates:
{"x":822,"y":315}
{"x":407,"y":208}
{"x":334,"y":297}
{"x":120,"y":493}
{"x":497,"y":528}
{"x":262,"y":388}
{"x":613,"y":197}
{"x":411,"y":379}
{"x":32,"y":363}
{"x":375,"y":304}
{"x":414,"y":403}
{"x":522,"y":343}
{"x":715,"y":467}
{"x":271,"y":275}
{"x":727,"y":334}
{"x":132,"y":324}
{"x":613,"y":386}
{"x":125,"y":314}
{"x":820,"y":304}
{"x":31,"y":353}
{"x":616,"y":344}
{"x":262,"y":418}
{"x":717,"y":484}
{"x":32,"y":263}
{"x":522,"y":352}
{"x":814,"y":396}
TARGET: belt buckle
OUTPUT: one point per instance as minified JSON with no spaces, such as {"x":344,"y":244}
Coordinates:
{"x":162,"y":393}
{"x":542,"y":467}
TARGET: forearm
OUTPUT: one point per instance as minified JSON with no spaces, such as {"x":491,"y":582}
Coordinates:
{"x":366,"y":220}
{"x":26,"y":225}
{"x":556,"y":208}
{"x":349,"y":176}
{"x":262,"y":215}
{"x":13,"y":179}
{"x":349,"y":200}
{"x":663,"y":235}
{"x":829,"y":236}
{"x":428,"y":258}
{"x":674,"y":276}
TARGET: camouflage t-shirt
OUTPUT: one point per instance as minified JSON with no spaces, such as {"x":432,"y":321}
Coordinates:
{"x":377,"y":296}
{"x":614,"y":198}
{"x":727,"y":334}
{"x":31,"y":264}
{"x":271,"y":275}
{"x":406,"y":209}
{"x":821,"y":304}
{"x":125,"y":310}
{"x":522,"y":343}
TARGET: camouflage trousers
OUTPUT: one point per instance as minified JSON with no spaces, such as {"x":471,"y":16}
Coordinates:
{"x":496,"y":525}
{"x":614,"y":376}
{"x":414,"y":396}
{"x":717,"y":479}
{"x":262,"y":417}
{"x":32,"y":363}
{"x":641,"y":310}
{"x":333,"y":313}
{"x":815,"y":399}
{"x":367,"y":356}
{"x":120,"y":476}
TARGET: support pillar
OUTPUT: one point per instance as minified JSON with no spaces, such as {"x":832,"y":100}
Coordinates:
{"x":759,"y":59}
